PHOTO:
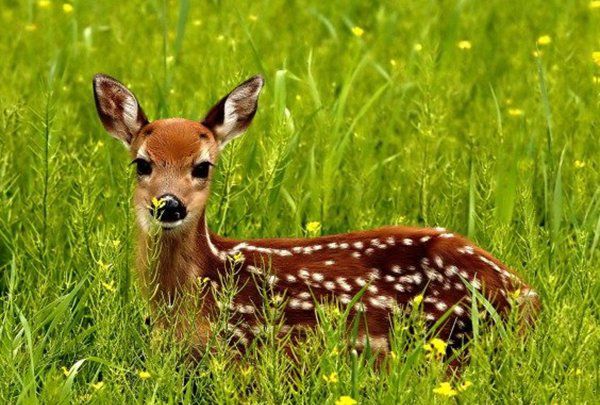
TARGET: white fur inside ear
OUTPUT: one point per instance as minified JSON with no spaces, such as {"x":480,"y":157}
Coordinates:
{"x":118,"y":108}
{"x":238,"y":108}
{"x":130,"y":112}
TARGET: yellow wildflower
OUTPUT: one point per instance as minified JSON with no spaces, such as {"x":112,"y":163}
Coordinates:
{"x":313,"y":227}
{"x":578,"y":371}
{"x":537,"y":54}
{"x":594,"y":4}
{"x":596,"y":79}
{"x":515,"y":112}
{"x":65,"y":371}
{"x":67,"y":8}
{"x":30,"y":27}
{"x":334,"y":352}
{"x":252,"y":17}
{"x":596,"y":57}
{"x":579,"y":164}
{"x":246,"y":371}
{"x":97,"y":386}
{"x":238,"y":257}
{"x":418,"y":299}
{"x":144,"y":375}
{"x":544,"y":40}
{"x":197,"y":23}
{"x":156,"y":203}
{"x":464,"y":45}
{"x":345,"y":400}
{"x":44,"y":3}
{"x":331,"y":378}
{"x":393,"y":62}
{"x":436,"y":348}
{"x":357,"y":31}
{"x":221,"y":38}
{"x":418,"y":47}
{"x":445,"y":389}
{"x":109,"y":286}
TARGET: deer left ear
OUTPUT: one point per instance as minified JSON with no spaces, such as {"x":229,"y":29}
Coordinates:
{"x":232,"y":115}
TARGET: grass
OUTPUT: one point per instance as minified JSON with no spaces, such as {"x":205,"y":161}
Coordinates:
{"x":396,"y":126}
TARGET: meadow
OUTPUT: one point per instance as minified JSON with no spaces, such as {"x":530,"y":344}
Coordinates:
{"x":482,"y":117}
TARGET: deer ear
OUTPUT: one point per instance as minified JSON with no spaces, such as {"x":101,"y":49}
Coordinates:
{"x":118,"y":108}
{"x":231,"y":116}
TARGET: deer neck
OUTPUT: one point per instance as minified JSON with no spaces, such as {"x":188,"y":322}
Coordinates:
{"x":173,"y":263}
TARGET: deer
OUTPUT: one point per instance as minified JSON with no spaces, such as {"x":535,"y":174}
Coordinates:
{"x":372,"y":273}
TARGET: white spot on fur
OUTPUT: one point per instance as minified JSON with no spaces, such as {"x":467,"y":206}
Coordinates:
{"x":438,"y":261}
{"x":344,"y":245}
{"x":318,"y":277}
{"x":361,"y":281}
{"x":451,"y":271}
{"x":425,"y":238}
{"x":329,"y":262}
{"x":358,"y":245}
{"x":345,"y":298}
{"x":343,"y":284}
{"x":447,"y":235}
{"x":407,"y":241}
{"x":332,"y":245}
{"x":374,"y":274}
{"x":330,"y":285}
{"x":303,"y":273}
{"x":356,"y":255}
{"x":441,"y":306}
{"x":399,"y":287}
{"x":396,"y":269}
{"x":306,"y":305}
{"x":254,"y":270}
{"x":290,"y":278}
{"x":389,"y":278}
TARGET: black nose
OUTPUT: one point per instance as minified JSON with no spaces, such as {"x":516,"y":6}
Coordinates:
{"x":168,"y":209}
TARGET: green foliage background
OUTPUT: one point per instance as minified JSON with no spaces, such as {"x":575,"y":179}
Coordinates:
{"x":397,"y":126}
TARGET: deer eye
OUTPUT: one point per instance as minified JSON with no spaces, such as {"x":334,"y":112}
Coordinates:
{"x":200,"y":171}
{"x":143,"y":167}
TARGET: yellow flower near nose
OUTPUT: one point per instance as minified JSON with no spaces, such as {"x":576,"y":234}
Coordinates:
{"x":156,"y":203}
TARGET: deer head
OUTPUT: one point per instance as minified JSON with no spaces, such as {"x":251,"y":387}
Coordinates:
{"x":174,"y":157}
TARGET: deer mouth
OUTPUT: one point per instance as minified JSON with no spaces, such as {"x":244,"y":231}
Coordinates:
{"x":168,"y":226}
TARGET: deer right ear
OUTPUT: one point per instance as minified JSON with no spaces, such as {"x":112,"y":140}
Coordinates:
{"x":231,"y":116}
{"x":118,"y":108}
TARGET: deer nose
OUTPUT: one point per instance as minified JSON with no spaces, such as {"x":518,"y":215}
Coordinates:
{"x":168,"y":208}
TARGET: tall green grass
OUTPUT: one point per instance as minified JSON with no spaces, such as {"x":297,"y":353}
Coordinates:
{"x":396,"y":126}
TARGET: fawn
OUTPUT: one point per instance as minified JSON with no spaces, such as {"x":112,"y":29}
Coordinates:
{"x":389,"y":266}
